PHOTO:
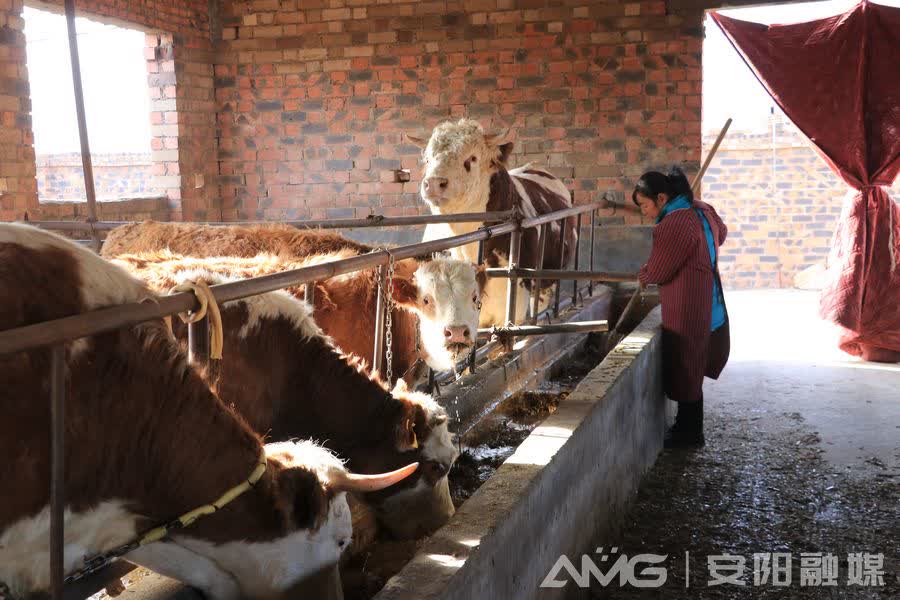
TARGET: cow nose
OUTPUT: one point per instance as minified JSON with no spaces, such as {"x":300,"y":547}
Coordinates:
{"x":457,"y":334}
{"x":435,"y":182}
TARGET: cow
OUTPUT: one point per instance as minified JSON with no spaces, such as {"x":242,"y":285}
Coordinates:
{"x":438,"y":299}
{"x":147,"y":440}
{"x":465,"y":170}
{"x":289,"y":380}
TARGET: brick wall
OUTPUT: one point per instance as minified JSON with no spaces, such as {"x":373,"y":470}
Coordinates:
{"x":297,"y":109}
{"x":780,"y":201}
{"x":313,"y":95}
{"x":116,"y":176}
{"x":184,"y":145}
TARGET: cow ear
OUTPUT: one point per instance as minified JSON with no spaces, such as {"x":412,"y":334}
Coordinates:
{"x":481,"y":277}
{"x":406,"y":436}
{"x":303,"y":498}
{"x":505,"y":150}
{"x":496,"y":139}
{"x":417,"y":141}
{"x":405,"y":292}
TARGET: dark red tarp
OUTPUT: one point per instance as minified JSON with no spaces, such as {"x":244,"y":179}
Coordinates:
{"x":838,"y":80}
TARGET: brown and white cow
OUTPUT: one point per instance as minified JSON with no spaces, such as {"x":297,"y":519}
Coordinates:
{"x":146,"y":441}
{"x":465,"y":170}
{"x":289,"y":380}
{"x":438,"y":299}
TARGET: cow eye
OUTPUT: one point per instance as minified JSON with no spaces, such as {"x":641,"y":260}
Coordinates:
{"x":425,"y":301}
{"x":473,"y":159}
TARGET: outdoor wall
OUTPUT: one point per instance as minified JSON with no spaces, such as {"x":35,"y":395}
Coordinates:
{"x":780,"y":201}
{"x":184,"y":145}
{"x":312,"y":101}
{"x":116,"y":176}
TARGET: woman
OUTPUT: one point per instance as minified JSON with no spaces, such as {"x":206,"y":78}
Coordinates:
{"x":683,"y":263}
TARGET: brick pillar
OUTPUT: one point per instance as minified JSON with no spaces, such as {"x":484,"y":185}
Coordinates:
{"x":160,"y":55}
{"x":18,"y":186}
{"x":184,"y":125}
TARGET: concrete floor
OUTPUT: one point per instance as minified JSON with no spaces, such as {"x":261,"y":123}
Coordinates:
{"x":802,"y":455}
{"x":785,"y":360}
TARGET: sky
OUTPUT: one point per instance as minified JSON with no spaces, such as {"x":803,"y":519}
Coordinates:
{"x":729,"y":87}
{"x":114,"y":79}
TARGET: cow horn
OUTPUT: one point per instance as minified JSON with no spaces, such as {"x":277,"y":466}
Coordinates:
{"x":353,"y":482}
{"x":497,"y":138}
{"x":417,"y":141}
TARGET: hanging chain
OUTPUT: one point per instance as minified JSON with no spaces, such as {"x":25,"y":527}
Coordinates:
{"x":387,"y":290}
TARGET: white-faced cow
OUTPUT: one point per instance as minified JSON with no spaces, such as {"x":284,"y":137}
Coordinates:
{"x":289,"y":380}
{"x":147,"y":441}
{"x":466,"y":170}
{"x":438,"y":299}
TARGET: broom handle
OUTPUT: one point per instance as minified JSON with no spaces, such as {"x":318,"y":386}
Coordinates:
{"x":695,"y":184}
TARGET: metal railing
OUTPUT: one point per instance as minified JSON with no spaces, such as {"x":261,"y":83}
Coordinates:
{"x":57,"y":332}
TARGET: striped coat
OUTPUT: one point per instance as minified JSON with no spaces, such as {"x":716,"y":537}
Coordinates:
{"x":679,"y":263}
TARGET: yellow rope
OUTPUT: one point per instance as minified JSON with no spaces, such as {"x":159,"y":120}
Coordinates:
{"x":154,"y":535}
{"x":207,"y":306}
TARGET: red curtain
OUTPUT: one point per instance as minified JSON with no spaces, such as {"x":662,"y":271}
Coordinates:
{"x":837,"y":79}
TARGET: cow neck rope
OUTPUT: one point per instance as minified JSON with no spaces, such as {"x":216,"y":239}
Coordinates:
{"x":98,"y":561}
{"x":208,"y":306}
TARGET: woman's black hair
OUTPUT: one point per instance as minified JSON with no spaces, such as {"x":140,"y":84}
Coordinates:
{"x":653,"y":183}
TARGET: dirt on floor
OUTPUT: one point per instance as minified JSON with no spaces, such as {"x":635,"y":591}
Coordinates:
{"x":760,"y":485}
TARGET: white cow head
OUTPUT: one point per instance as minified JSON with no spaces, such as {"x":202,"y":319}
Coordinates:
{"x":310,"y":484}
{"x":446,"y":294}
{"x":459,"y":161}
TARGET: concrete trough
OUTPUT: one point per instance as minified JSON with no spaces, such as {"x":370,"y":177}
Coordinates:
{"x":570,"y":480}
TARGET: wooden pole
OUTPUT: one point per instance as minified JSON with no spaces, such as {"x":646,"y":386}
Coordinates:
{"x":695,"y":184}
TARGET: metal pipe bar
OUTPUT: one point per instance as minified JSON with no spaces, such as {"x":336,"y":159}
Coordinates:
{"x":535,"y":286}
{"x":492,"y":345}
{"x":309,"y":294}
{"x":561,"y":274}
{"x":115,"y":317}
{"x":560,"y":214}
{"x":473,"y":355}
{"x":593,"y":225}
{"x":57,"y":467}
{"x":198,"y":342}
{"x":378,"y":349}
{"x":86,"y":163}
{"x":515,"y":245}
{"x":526,"y":330}
{"x":373,"y":221}
{"x":562,"y":265}
{"x":577,"y":247}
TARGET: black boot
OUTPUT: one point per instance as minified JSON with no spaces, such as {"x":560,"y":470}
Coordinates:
{"x":687,"y":432}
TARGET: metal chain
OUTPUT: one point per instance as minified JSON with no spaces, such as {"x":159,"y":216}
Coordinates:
{"x":388,"y":319}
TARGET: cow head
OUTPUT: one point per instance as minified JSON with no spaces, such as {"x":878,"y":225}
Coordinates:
{"x":421,"y":503}
{"x":446,"y":295}
{"x":311,"y":525}
{"x":459,"y":161}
